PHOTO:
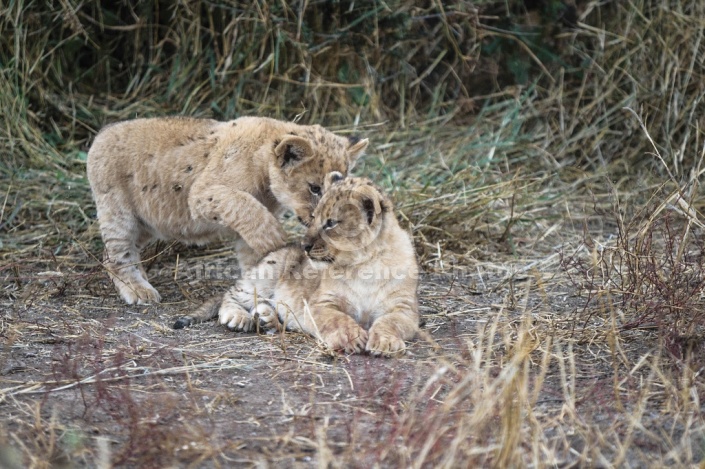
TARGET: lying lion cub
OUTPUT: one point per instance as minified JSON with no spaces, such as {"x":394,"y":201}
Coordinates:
{"x":353,"y":285}
{"x":194,"y":180}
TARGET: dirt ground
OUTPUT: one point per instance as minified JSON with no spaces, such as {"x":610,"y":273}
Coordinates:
{"x":86,"y":380}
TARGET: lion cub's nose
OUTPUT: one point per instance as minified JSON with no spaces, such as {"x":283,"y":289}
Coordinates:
{"x":308,"y":247}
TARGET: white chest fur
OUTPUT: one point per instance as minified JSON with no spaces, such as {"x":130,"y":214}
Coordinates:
{"x":364,"y":293}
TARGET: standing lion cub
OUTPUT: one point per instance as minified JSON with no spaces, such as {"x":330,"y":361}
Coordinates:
{"x":353,"y":285}
{"x":194,"y":180}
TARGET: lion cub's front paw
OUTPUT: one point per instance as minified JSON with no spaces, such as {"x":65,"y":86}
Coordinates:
{"x":235,"y":317}
{"x":139,"y":294}
{"x":349,"y":337}
{"x":382,"y":343}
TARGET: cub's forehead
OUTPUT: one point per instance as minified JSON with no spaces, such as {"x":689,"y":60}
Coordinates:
{"x":328,"y":147}
{"x":353,"y":185}
{"x":317,"y":167}
{"x":343,"y":192}
{"x":332,"y":200}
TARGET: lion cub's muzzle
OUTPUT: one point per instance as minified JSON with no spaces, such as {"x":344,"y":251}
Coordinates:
{"x":315,"y":250}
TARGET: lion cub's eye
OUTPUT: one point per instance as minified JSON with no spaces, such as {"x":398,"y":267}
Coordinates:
{"x":315,"y":189}
{"x":330,"y":223}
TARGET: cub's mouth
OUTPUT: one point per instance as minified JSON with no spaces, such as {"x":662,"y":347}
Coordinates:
{"x":316,"y":254}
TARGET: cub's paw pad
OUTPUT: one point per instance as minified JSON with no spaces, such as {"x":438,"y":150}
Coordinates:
{"x":385,"y":345}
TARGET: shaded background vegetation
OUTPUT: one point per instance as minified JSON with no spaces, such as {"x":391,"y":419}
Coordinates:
{"x":70,"y":67}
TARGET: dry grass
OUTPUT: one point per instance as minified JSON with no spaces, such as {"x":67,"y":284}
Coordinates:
{"x":549,"y":174}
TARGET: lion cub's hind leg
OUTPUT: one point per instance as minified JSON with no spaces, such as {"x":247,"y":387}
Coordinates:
{"x":247,"y":306}
{"x":244,"y":311}
{"x":235,"y":312}
{"x":123,"y":237}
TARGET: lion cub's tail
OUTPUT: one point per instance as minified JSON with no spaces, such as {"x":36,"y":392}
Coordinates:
{"x":205,"y":312}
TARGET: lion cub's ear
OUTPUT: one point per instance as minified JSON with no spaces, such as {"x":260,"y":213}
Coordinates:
{"x":291,"y":151}
{"x":371,"y":208}
{"x":332,"y":178}
{"x":356,"y":149}
{"x":371,"y":202}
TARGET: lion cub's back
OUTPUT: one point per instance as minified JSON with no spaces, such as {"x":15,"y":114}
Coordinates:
{"x":126,"y":145}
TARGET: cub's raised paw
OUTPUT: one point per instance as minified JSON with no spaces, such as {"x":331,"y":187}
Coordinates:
{"x":348,"y":337}
{"x":235,"y":317}
{"x":276,"y":239}
{"x":385,"y":344}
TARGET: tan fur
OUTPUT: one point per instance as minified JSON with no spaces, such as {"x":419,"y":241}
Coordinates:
{"x":353,"y":285}
{"x":194,"y":180}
